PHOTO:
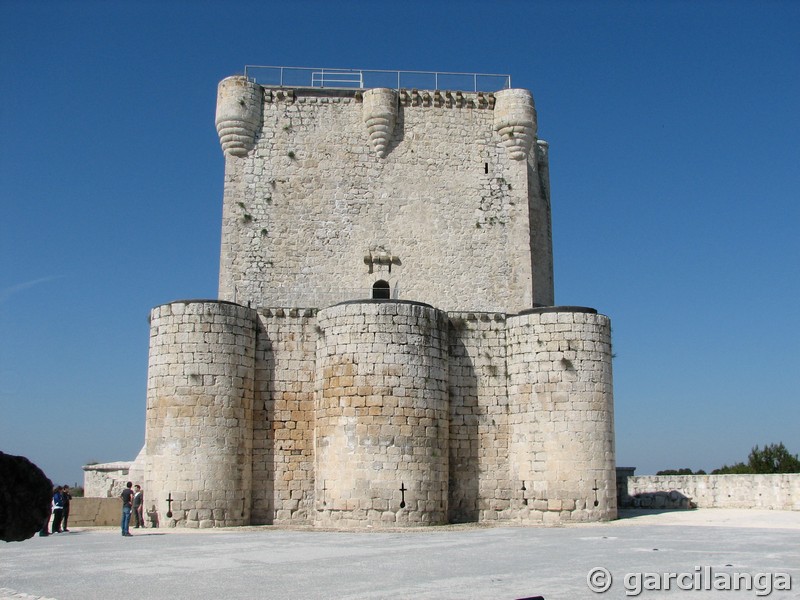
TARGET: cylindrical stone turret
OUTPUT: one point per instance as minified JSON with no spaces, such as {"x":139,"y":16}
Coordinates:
{"x":380,"y":115}
{"x":381,"y":415}
{"x":238,"y":114}
{"x":199,"y":433}
{"x":561,"y":417}
{"x":515,"y":121}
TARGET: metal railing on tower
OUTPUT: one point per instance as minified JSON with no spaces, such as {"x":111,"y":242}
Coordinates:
{"x":319,"y":77}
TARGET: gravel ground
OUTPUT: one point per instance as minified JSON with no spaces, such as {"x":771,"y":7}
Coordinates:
{"x":464,"y":561}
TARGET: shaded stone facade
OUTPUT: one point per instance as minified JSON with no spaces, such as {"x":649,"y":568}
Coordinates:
{"x":384,"y":351}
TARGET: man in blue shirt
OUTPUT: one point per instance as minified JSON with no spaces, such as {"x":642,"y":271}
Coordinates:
{"x":127,"y":503}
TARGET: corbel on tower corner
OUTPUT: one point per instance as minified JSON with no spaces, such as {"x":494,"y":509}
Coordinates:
{"x":380,"y":115}
{"x":515,"y":121}
{"x":238,"y":114}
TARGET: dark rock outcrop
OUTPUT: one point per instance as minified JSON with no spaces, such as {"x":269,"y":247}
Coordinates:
{"x":25,"y":497}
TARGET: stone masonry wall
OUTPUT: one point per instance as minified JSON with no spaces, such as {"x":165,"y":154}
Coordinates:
{"x":381,"y":415}
{"x":778,"y":492}
{"x":340,"y":192}
{"x":283,"y":416}
{"x":399,"y":411}
{"x":479,"y":485}
{"x":337,"y":417}
{"x":561,"y":419}
{"x":95,"y":512}
{"x":199,"y":432}
{"x":105,"y":480}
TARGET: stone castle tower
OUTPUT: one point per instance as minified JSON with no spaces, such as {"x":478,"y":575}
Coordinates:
{"x":385,"y":350}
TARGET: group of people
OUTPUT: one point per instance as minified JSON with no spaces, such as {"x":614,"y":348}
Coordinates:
{"x":59,"y":510}
{"x":132,"y":504}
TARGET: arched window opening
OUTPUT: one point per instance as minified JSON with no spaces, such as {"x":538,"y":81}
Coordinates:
{"x":381,"y":290}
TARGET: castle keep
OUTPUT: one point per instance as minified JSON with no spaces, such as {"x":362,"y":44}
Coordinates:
{"x":385,"y":349}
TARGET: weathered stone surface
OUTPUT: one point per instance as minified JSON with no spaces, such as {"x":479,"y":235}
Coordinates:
{"x":380,"y":106}
{"x":25,"y":497}
{"x":561,"y":411}
{"x":238,"y":115}
{"x":105,"y":480}
{"x":515,"y":121}
{"x":95,"y":512}
{"x":381,"y":428}
{"x":332,"y":179}
{"x":366,"y":364}
{"x":199,"y":435}
{"x":774,"y":492}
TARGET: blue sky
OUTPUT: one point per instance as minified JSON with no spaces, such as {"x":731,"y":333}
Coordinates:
{"x":674,"y":130}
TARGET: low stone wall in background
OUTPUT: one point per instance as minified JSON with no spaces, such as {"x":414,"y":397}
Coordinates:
{"x":776,"y":492}
{"x":102,"y":512}
{"x":95,"y":512}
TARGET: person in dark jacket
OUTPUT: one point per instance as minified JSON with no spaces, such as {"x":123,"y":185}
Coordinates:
{"x":65,"y":498}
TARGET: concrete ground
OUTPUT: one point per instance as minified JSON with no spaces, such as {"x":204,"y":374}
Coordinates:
{"x":705,"y":545}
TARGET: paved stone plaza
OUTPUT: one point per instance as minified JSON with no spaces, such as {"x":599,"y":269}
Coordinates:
{"x":420,"y":563}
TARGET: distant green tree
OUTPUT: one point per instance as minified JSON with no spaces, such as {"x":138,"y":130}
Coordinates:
{"x":735,"y":469}
{"x":683,"y":471}
{"x":774,"y":458}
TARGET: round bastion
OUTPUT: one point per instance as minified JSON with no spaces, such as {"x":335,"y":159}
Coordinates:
{"x":381,"y":415}
{"x":561,"y":414}
{"x":199,"y":431}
